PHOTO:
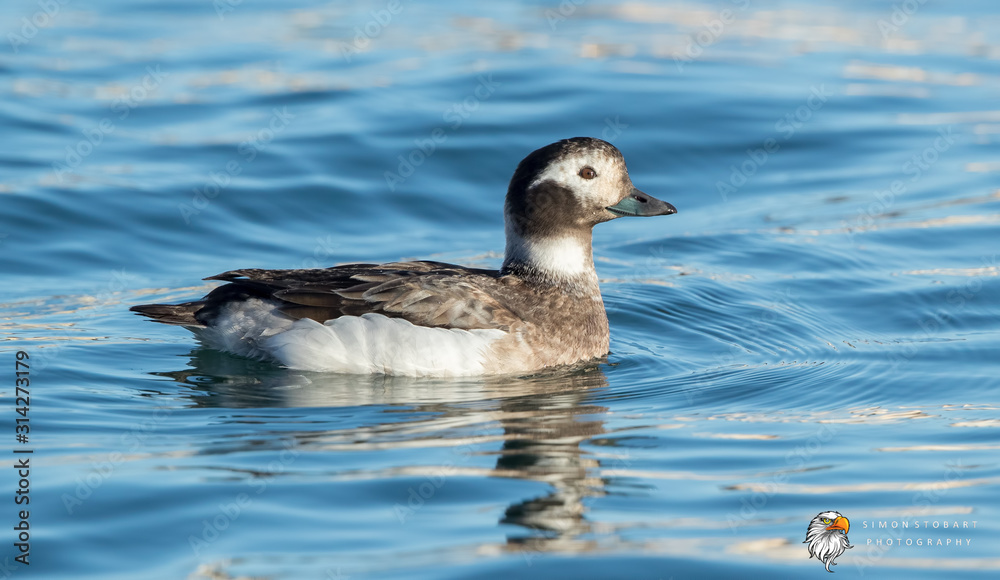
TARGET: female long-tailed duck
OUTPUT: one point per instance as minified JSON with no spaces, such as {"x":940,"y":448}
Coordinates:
{"x":542,"y":308}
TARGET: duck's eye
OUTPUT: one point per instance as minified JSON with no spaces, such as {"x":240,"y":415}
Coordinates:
{"x":588,"y":173}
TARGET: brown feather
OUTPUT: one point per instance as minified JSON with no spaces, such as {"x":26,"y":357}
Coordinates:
{"x":425,"y":293}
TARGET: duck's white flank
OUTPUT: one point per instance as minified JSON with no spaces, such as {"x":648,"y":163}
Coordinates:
{"x":564,"y":257}
{"x":371,"y":343}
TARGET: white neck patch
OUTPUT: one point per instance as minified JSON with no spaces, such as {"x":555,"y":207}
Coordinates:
{"x":562,"y":257}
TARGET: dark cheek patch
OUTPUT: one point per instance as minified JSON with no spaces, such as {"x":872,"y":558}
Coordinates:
{"x":546,"y":209}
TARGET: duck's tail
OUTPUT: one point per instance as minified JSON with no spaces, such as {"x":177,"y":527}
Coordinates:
{"x":179,"y":314}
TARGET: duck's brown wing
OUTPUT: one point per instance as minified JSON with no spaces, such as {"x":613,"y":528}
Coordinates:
{"x":430,"y":294}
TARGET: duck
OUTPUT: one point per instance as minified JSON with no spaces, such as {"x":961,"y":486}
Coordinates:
{"x":543,"y":307}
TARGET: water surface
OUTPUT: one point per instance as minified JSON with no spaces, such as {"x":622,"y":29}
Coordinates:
{"x":816,"y":329}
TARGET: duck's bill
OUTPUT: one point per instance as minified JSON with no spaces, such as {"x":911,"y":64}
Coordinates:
{"x":641,"y":204}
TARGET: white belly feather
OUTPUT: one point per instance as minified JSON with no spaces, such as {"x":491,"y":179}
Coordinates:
{"x":371,"y":343}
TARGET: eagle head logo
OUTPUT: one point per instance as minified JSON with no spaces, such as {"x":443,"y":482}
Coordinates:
{"x":827,"y":537}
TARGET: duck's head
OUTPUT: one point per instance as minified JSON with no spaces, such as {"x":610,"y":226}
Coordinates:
{"x":557,"y":195}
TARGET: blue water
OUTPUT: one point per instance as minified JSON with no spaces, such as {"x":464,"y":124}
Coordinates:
{"x":816,"y":329}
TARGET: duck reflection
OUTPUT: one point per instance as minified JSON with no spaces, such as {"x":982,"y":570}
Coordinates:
{"x":543,"y":418}
{"x":542,"y":437}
